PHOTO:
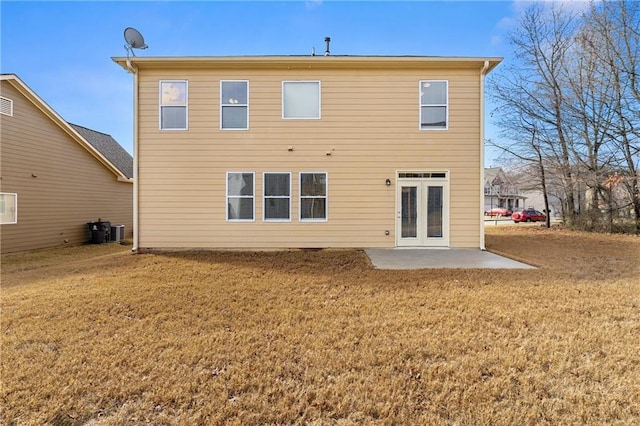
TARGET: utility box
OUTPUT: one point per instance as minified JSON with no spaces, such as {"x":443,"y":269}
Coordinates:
{"x":117,"y":233}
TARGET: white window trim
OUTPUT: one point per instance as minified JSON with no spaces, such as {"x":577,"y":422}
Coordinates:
{"x":15,"y":208}
{"x":226,"y":204}
{"x":319,"y":117}
{"x":9,"y":102}
{"x":232,"y":105}
{"x":326,"y":197}
{"x":186,"y":105}
{"x":420,"y":105}
{"x":264,"y":197}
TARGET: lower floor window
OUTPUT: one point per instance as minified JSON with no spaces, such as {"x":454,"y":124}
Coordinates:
{"x":277,"y":197}
{"x":313,"y":197}
{"x":240,"y":196}
{"x":8,"y":208}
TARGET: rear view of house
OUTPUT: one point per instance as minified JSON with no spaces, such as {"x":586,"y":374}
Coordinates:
{"x":54,"y":176}
{"x":308,"y":151}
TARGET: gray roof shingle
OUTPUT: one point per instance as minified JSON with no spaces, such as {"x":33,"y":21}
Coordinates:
{"x":108,"y":147}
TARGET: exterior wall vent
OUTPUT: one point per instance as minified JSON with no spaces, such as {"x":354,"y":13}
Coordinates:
{"x":6,"y":106}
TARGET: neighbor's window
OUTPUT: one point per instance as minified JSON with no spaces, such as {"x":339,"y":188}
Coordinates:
{"x":313,"y":197}
{"x":433,"y":105}
{"x":240,"y":196}
{"x":6,"y":106}
{"x":8,"y":208}
{"x":301,"y":99}
{"x":173,"y":104}
{"x":234,"y":105}
{"x":277,"y":197}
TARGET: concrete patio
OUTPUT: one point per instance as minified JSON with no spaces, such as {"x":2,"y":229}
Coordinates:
{"x":428,"y":258}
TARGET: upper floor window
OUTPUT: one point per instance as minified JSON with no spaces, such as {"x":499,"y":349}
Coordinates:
{"x":313,"y":197}
{"x":234,"y":105}
{"x":8,"y":208}
{"x":301,"y":99}
{"x":173,"y":104}
{"x":6,"y":106}
{"x":240,"y":196}
{"x":277,"y":197}
{"x":434,"y":110}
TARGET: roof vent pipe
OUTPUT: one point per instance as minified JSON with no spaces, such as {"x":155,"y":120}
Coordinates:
{"x":327,"y":40}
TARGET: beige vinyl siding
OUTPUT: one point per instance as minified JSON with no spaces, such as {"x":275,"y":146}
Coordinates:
{"x":70,"y":187}
{"x":370,"y":124}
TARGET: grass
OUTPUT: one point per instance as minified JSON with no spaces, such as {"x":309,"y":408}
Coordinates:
{"x":95,"y":335}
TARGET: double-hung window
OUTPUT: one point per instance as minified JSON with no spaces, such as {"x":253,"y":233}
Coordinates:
{"x":434,"y":109}
{"x":301,"y":99}
{"x":313,"y":197}
{"x":173,"y":104}
{"x":240,"y":196}
{"x":234,"y":105}
{"x":8,"y":208}
{"x":277,"y":197}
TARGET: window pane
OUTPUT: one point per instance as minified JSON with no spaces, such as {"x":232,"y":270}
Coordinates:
{"x":173,"y":93}
{"x":174,"y":117}
{"x":240,"y":184}
{"x":276,"y":185}
{"x":434,"y":117}
{"x":313,"y":184}
{"x":276,"y":208}
{"x":433,"y":92}
{"x":8,"y":208}
{"x":234,"y":92}
{"x":234,"y":117}
{"x":301,"y":99}
{"x":313,"y":208}
{"x":240,"y":208}
{"x":409,"y":212}
{"x":434,"y":212}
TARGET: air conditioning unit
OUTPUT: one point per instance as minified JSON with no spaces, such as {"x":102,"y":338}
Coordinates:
{"x":117,"y":233}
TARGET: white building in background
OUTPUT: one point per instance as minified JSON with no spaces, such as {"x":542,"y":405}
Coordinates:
{"x":500,"y":191}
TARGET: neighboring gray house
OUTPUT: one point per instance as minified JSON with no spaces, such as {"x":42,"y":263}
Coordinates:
{"x":54,"y":176}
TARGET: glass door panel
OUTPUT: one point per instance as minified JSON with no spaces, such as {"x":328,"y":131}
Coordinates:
{"x":434,"y":211}
{"x":409,"y":212}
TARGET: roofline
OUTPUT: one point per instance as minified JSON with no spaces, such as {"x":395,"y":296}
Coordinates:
{"x":308,"y":61}
{"x":39,"y":103}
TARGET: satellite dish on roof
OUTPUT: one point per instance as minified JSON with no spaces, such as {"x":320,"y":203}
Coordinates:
{"x":134,"y":40}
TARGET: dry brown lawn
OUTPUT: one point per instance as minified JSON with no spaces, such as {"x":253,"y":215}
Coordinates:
{"x":95,"y":335}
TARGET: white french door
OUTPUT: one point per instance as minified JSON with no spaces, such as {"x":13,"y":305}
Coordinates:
{"x":423,"y":210}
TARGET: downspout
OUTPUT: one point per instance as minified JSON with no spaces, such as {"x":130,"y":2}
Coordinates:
{"x":483,"y":72}
{"x":134,"y":70}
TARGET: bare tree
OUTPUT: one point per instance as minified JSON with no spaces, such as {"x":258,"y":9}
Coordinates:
{"x":615,"y":40}
{"x":570,"y":102}
{"x":531,"y":98}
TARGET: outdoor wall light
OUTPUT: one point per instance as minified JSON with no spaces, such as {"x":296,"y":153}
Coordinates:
{"x":388,"y":182}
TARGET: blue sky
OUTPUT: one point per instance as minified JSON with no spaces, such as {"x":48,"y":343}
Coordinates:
{"x":63,"y":50}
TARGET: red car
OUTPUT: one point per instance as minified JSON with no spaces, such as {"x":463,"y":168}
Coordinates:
{"x":499,"y":211}
{"x":529,"y":215}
